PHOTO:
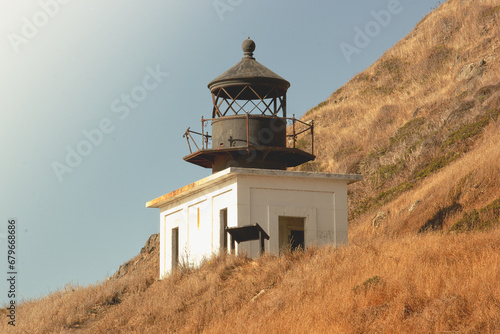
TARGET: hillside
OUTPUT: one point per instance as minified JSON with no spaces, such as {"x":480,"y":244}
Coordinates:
{"x":365,"y":287}
{"x":422,"y":124}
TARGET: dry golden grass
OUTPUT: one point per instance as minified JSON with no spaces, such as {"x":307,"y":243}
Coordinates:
{"x":73,"y":307}
{"x":419,"y":71}
{"x":419,"y":120}
{"x":472,"y":181}
{"x":422,"y":125}
{"x":431,"y":283}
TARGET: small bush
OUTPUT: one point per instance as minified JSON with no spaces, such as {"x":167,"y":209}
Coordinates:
{"x":436,"y":222}
{"x":491,"y":11}
{"x":438,"y":57}
{"x":366,"y":285}
{"x":475,"y":220}
{"x":435,"y":165}
{"x":464,"y":132}
{"x":394,"y":67}
{"x":470,"y":130}
{"x":387,"y":172}
{"x":410,"y":129}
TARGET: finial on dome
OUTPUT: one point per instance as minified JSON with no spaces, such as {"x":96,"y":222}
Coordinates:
{"x":248,"y":47}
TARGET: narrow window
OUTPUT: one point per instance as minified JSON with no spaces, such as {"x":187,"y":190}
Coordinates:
{"x":175,"y":248}
{"x":223,"y":234}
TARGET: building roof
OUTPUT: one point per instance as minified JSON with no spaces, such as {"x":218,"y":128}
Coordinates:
{"x":234,"y":171}
{"x":249,"y":72}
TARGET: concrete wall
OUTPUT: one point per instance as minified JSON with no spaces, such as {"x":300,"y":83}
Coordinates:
{"x":251,"y":196}
{"x":323,"y":204}
{"x":197,"y":217}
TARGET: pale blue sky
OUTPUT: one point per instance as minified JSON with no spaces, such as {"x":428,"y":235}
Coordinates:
{"x":66,"y":65}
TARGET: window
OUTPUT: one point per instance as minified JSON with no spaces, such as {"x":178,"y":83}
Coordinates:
{"x":223,"y":234}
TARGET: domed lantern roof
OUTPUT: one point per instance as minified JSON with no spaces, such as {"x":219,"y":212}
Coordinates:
{"x":248,"y":72}
{"x":248,"y":81}
{"x":249,"y":123}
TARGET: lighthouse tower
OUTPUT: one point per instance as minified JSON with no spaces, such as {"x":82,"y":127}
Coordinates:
{"x":251,"y":203}
{"x":249,"y":120}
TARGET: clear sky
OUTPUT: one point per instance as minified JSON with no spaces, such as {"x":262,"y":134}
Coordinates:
{"x":95,"y":96}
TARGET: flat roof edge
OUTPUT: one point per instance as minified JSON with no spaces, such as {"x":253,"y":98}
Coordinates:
{"x":351,"y":178}
{"x":157,"y":202}
{"x":233,"y":171}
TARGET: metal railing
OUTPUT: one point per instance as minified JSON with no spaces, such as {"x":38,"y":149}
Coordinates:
{"x":295,"y":133}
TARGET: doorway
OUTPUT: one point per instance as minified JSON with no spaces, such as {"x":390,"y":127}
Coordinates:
{"x":222,"y":231}
{"x":291,"y":233}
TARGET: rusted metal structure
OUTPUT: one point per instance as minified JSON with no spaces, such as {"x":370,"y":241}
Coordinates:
{"x":249,"y":123}
{"x":247,"y":233}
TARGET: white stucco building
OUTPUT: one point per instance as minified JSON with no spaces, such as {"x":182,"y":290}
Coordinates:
{"x":310,"y":207}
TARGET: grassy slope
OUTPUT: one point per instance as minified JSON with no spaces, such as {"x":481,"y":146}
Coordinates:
{"x":422,"y":126}
{"x":417,"y":283}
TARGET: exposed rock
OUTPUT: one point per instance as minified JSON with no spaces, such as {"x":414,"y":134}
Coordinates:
{"x":152,"y":243}
{"x":414,"y":206}
{"x":124,"y":268}
{"x":379,"y":218}
{"x":257,"y":295}
{"x":472,"y":70}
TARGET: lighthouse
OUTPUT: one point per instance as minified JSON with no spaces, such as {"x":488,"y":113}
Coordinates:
{"x":251,"y":203}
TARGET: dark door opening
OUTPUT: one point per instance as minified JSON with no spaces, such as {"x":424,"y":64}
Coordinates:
{"x":291,"y":233}
{"x":296,"y":239}
{"x":175,"y":248}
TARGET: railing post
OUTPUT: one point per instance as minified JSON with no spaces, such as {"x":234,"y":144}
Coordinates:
{"x":202,"y":129}
{"x":293,"y":126}
{"x":186,"y":135}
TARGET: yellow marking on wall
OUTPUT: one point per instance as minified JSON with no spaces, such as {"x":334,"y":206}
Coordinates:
{"x":198,"y":219}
